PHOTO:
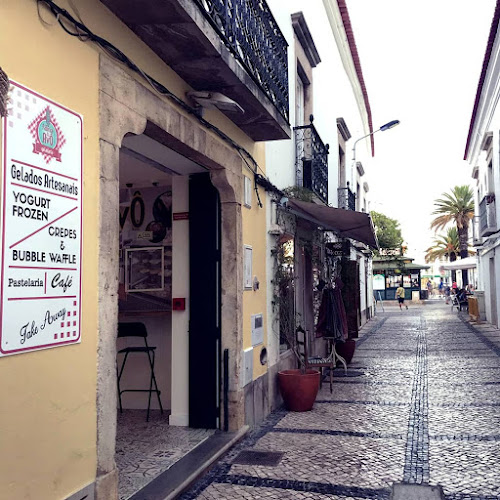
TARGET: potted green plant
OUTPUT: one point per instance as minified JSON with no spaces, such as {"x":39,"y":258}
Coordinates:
{"x":299,"y":386}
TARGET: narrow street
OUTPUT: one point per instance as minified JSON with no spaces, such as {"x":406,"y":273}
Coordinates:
{"x":420,"y":405}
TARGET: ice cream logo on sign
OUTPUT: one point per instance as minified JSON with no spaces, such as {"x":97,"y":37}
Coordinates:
{"x":48,"y":136}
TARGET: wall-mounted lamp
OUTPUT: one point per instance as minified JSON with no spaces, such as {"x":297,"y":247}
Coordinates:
{"x":256,"y":283}
{"x":217,"y":100}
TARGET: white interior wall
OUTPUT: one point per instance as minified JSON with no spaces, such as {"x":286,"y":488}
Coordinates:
{"x":180,"y":319}
{"x":136,"y":374}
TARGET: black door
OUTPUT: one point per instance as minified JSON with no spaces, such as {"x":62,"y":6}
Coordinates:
{"x":204,"y":325}
{"x":351,"y":295}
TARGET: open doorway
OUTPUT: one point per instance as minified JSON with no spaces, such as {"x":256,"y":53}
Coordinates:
{"x":154,"y":415}
{"x":163,"y":138}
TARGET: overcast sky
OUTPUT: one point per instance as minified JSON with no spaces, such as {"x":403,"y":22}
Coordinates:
{"x":421,"y":63}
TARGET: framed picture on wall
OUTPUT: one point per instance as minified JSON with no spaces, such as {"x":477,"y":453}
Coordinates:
{"x":144,"y":269}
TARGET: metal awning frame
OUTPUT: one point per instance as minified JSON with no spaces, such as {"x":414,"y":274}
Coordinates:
{"x":327,"y":226}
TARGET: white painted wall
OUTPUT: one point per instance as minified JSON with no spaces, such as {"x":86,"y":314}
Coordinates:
{"x":333,"y":97}
{"x":488,"y":120}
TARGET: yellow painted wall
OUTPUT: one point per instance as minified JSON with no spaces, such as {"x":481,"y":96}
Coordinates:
{"x":48,"y":398}
{"x":254,"y":234}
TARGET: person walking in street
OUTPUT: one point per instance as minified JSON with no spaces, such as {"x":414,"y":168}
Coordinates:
{"x":400,"y":294}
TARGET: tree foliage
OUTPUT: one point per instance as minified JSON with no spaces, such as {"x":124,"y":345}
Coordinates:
{"x":444,"y":246}
{"x":387,"y":230}
{"x":456,"y":207}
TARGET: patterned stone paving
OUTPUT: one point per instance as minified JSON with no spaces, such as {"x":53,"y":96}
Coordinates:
{"x":146,"y":449}
{"x":425,"y":409}
{"x":416,"y":469}
{"x":217,"y":490}
{"x":346,"y":417}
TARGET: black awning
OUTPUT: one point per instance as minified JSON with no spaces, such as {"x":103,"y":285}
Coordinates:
{"x":346,"y":223}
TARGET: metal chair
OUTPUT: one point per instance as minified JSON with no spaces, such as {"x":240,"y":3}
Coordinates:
{"x":315,"y":361}
{"x":459,"y":301}
{"x":137,"y":330}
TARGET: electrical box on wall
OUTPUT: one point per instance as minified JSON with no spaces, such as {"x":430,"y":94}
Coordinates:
{"x":247,"y":191}
{"x":257,"y":329}
{"x":179,"y":304}
{"x":247,"y":366}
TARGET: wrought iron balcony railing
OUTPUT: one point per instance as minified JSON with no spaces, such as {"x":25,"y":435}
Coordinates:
{"x":477,"y":240}
{"x":346,"y":198}
{"x":487,"y":215}
{"x":251,"y":33}
{"x":311,"y":161}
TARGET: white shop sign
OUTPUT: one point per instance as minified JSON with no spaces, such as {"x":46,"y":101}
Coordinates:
{"x":41,"y":224}
{"x":378,"y":282}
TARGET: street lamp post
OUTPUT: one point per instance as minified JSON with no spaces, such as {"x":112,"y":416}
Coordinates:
{"x":383,"y":128}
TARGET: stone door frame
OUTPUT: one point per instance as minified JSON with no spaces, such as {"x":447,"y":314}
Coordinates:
{"x":127,"y":106}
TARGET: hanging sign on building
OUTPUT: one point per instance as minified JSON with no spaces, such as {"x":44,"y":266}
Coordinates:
{"x":41,"y":224}
{"x":379,"y":282}
{"x":339,"y":248}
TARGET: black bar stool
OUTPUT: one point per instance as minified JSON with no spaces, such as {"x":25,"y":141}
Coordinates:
{"x":137,"y":330}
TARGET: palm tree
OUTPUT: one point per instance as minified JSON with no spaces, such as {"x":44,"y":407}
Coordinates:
{"x":444,"y":247}
{"x":456,"y":207}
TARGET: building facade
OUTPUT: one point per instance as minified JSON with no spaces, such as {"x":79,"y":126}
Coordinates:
{"x":315,"y":170}
{"x":483,"y":153}
{"x":174,"y":142}
{"x":164,"y":113}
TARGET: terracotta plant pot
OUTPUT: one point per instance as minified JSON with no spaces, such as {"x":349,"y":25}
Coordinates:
{"x":346,"y":349}
{"x":297,"y":389}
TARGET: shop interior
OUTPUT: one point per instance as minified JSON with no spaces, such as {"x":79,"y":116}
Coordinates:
{"x":146,"y":444}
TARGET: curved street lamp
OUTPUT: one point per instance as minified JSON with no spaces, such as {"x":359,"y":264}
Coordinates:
{"x":383,"y":128}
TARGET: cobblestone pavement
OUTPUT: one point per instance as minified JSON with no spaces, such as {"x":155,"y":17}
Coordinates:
{"x":424,"y":408}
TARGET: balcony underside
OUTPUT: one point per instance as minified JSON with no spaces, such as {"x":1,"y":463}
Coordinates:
{"x":180,"y":35}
